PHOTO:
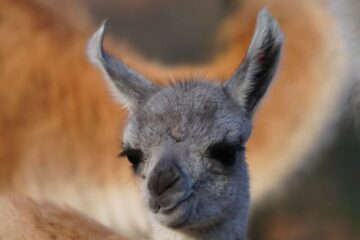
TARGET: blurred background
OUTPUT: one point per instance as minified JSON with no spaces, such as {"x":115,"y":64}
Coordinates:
{"x":321,"y":200}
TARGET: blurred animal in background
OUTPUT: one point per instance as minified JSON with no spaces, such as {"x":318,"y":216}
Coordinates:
{"x":59,"y":127}
{"x":24,"y":218}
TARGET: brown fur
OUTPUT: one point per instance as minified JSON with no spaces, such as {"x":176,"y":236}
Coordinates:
{"x":59,"y":128}
{"x":22,"y":218}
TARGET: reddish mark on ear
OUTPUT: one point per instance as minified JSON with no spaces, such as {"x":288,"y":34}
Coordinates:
{"x":260,"y":57}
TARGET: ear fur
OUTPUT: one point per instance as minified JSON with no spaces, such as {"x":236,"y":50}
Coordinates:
{"x":127,"y":86}
{"x":253,"y":77}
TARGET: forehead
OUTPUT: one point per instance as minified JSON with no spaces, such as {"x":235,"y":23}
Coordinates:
{"x":187,"y":101}
{"x":189,"y":111}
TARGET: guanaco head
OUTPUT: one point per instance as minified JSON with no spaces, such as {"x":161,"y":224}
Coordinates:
{"x":186,"y":140}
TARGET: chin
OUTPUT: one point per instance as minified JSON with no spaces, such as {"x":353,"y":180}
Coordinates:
{"x":178,"y":217}
{"x":187,"y":216}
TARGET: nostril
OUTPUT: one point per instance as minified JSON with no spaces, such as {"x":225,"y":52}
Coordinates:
{"x":163,"y":186}
{"x":161,"y":181}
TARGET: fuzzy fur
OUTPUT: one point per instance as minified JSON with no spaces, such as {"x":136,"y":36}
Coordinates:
{"x":173,"y":127}
{"x":59,"y":128}
{"x":45,"y":221}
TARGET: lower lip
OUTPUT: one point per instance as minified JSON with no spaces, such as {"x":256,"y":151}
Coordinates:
{"x":184,"y":199}
{"x":181,"y":221}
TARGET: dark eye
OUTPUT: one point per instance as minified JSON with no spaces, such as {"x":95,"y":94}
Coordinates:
{"x":224,"y":152}
{"x":134,"y":156}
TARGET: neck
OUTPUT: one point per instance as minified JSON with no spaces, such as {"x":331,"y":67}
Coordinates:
{"x":230,"y":230}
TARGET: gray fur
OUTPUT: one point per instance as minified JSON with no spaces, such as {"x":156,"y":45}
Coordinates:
{"x":128,"y":87}
{"x":251,"y":80}
{"x":191,"y":195}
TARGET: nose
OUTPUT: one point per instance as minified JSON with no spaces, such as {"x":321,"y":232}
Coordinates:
{"x":162,"y":179}
{"x":167,"y":185}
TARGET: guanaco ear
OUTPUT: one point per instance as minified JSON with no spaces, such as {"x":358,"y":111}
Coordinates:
{"x":127,"y":86}
{"x":253,"y":77}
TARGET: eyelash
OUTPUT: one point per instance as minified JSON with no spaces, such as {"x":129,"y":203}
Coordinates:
{"x":224,"y":152}
{"x":134,"y":156}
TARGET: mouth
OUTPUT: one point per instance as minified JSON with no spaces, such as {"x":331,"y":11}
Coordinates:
{"x":178,"y":215}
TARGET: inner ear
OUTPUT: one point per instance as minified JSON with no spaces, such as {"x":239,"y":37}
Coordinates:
{"x":252,"y":78}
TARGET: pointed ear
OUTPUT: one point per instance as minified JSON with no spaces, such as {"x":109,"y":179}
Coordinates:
{"x":128,"y":87}
{"x":253,"y":77}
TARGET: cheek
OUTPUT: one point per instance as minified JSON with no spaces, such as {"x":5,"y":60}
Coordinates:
{"x":242,"y":185}
{"x":220,"y":199}
{"x":146,"y":196}
{"x":243,"y":175}
{"x":225,"y":189}
{"x":217,"y":188}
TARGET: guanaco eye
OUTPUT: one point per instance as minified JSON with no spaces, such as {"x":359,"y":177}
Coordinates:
{"x":224,"y":152}
{"x":134,"y":156}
